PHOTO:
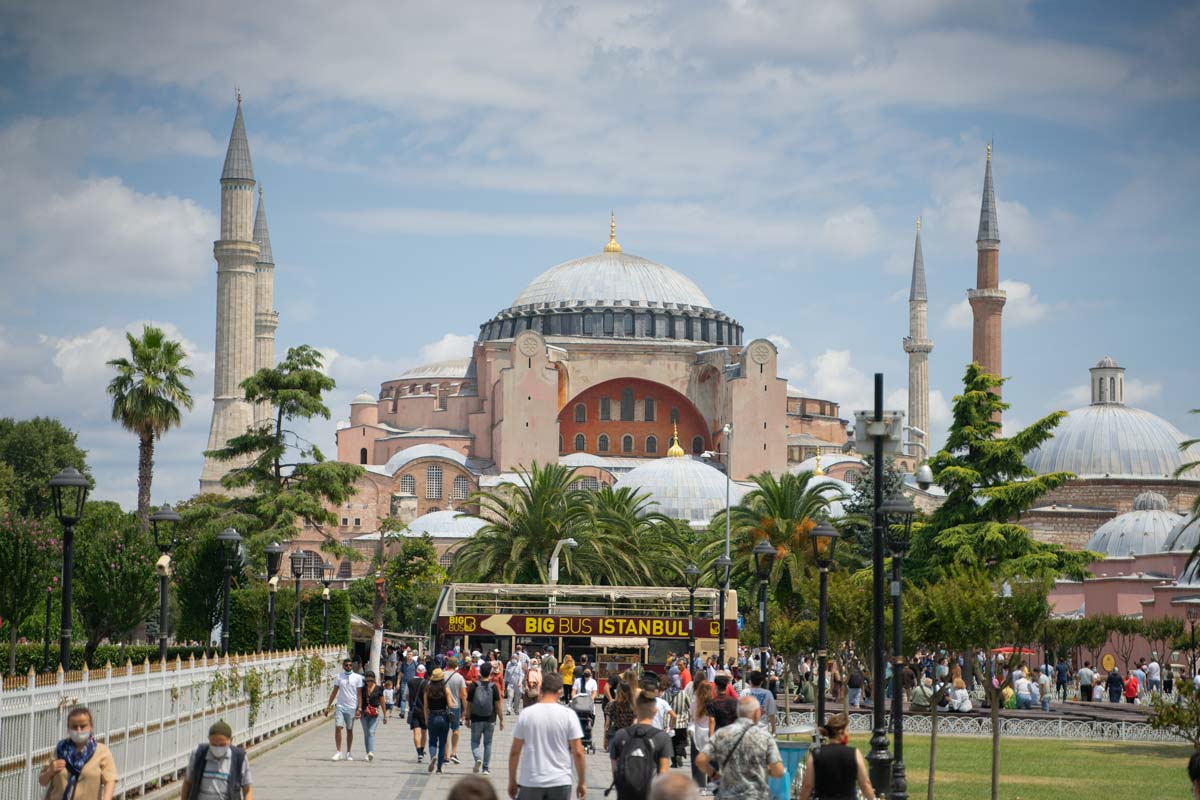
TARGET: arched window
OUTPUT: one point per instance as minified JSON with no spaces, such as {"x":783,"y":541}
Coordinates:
{"x":626,"y":444}
{"x":585,"y":484}
{"x":429,"y":388}
{"x":581,"y":412}
{"x":560,"y":443}
{"x":362,"y":456}
{"x":602,"y":443}
{"x":408,"y":485}
{"x":433,"y":482}
{"x":605,"y":408}
{"x":1121,"y":384}
{"x":580,"y":443}
{"x":629,"y":323}
{"x":1112,"y":389}
{"x":651,"y":445}
{"x":345,"y":569}
{"x":649,"y":409}
{"x":627,"y":405}
{"x":697,"y":445}
{"x":608,"y":323}
{"x":1101,"y":389}
{"x":462,"y":487}
{"x":674,"y":416}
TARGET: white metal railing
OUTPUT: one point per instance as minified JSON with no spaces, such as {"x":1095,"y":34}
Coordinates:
{"x":152,"y":718}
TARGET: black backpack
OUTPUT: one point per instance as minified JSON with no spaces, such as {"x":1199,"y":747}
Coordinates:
{"x":483,"y":700}
{"x":637,"y":764}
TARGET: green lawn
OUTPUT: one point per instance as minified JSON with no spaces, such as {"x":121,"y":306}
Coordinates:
{"x":1033,"y":769}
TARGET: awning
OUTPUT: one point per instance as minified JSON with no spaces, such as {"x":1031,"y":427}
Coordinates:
{"x":620,"y":641}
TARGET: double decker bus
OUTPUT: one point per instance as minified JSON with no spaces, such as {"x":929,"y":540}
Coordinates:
{"x":615,"y":626}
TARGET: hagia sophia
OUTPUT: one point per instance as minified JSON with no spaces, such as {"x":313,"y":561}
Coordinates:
{"x":624,"y":369}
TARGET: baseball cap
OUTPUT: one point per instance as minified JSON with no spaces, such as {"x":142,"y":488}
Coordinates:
{"x":420,"y":669}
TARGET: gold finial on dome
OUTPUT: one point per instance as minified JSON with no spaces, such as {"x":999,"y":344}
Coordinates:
{"x":612,"y":246}
{"x":676,"y":451}
{"x":918,"y":224}
{"x":818,"y":470}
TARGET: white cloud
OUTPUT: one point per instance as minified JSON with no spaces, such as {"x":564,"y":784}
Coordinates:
{"x":1023,"y":307}
{"x":1137,"y":393}
{"x":451,"y":345}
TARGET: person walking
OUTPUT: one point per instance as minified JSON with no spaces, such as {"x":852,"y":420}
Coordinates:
{"x":1153,"y":676}
{"x":514,"y":676}
{"x":436,"y":699}
{"x":835,"y":769}
{"x":532,"y":690}
{"x":549,"y":662}
{"x":620,"y":712}
{"x":346,"y":686}
{"x":681,"y":705}
{"x":1043,"y":684}
{"x":701,"y":722}
{"x":1115,"y":685}
{"x":766,"y":700}
{"x":217,"y":770}
{"x":486,"y":707}
{"x":584,"y":705}
{"x":547,"y":742}
{"x":1085,"y":677}
{"x":639,"y":753}
{"x":1132,"y":687}
{"x":416,"y":711}
{"x":80,"y":767}
{"x":722,"y":708}
{"x":855,"y":685}
{"x":567,"y":670}
{"x":1062,"y":677}
{"x":371,"y":709}
{"x":456,"y":684}
{"x":743,"y":755}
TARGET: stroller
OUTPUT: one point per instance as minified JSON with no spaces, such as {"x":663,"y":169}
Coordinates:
{"x":585,"y":708}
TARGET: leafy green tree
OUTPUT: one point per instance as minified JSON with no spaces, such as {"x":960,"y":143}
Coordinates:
{"x":861,"y":506}
{"x":413,"y":579}
{"x":1180,"y":717}
{"x":1188,"y":467}
{"x":1128,"y":630}
{"x":1160,"y":632}
{"x":115,"y":578}
{"x":987,"y":487}
{"x":1093,"y":633}
{"x":27,"y":550}
{"x":147,"y":394}
{"x":35,"y":450}
{"x":284,"y":479}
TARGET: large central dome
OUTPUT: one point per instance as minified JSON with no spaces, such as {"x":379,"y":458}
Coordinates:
{"x":613,"y":279}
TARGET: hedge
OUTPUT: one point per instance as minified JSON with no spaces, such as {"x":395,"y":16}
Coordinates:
{"x":249,"y":617}
{"x":31,"y":655}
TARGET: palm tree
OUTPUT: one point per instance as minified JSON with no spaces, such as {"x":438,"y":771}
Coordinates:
{"x":147,"y":394}
{"x":783,"y":511}
{"x":1191,"y":465}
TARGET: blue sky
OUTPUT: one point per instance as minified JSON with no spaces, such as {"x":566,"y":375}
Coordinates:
{"x":421,"y":166}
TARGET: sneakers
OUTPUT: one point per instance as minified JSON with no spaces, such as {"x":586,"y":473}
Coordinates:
{"x":478,"y":765}
{"x":370,"y":756}
{"x":454,"y":760}
{"x":487,"y":771}
{"x":337,"y":756}
{"x":348,"y":756}
{"x":432,"y":764}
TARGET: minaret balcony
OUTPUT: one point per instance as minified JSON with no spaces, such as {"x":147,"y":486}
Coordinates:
{"x":912,"y":345}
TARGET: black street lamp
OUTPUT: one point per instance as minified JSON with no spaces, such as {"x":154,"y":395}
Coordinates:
{"x":721,"y":569}
{"x":165,"y":542}
{"x":1192,"y":614}
{"x":274,"y":553}
{"x":824,"y":540}
{"x":898,"y":513}
{"x":879,"y":760}
{"x":692,"y":573}
{"x":764,"y":557}
{"x":230,"y":541}
{"x":297,"y":558}
{"x":69,"y":490}
{"x":326,"y":579}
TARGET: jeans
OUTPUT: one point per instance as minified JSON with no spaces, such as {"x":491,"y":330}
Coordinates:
{"x":439,"y":731}
{"x":855,"y":697}
{"x":1045,"y":702}
{"x":1153,"y":685}
{"x":1024,"y":701}
{"x":403,"y":696}
{"x":369,"y":724}
{"x":514,"y":698}
{"x":544,"y":792}
{"x":482,"y":730}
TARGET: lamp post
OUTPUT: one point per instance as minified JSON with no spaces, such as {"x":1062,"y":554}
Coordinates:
{"x":326,"y":578}
{"x":727,"y":435}
{"x":230,"y":540}
{"x":558,"y":546}
{"x":69,"y":490}
{"x":923,"y":474}
{"x":824,"y":540}
{"x":879,"y":759}
{"x":721,"y":572}
{"x":764,"y":557}
{"x":898,"y":512}
{"x":692,"y":573}
{"x":297,"y":559}
{"x":274,"y":552}
{"x":1192,"y":614}
{"x":165,"y":543}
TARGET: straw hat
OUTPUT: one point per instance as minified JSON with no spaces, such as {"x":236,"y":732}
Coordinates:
{"x":437,"y":675}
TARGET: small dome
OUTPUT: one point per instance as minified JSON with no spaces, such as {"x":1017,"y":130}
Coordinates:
{"x":364,"y":398}
{"x":1106,"y":363}
{"x":1185,"y":535}
{"x":1114,"y":440}
{"x":1150,"y":501}
{"x":683,"y":488}
{"x":828,"y":460}
{"x":451,"y":368}
{"x":1136,"y":532}
{"x":583,"y":460}
{"x":448,"y":524}
{"x":409,"y":454}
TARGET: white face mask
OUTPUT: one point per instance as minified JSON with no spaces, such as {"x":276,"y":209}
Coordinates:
{"x":80,"y":737}
{"x":218,"y":751}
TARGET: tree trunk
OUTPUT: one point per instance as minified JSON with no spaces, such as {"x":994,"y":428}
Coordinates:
{"x":145,"y":476}
{"x":933,"y":720}
{"x":12,"y":649}
{"x":377,"y":636}
{"x":995,"y":703}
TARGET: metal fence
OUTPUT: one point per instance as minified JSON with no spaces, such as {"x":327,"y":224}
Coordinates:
{"x":152,"y":716}
{"x":1010,"y":727}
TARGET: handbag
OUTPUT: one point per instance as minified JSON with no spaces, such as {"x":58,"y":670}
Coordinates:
{"x":370,"y":710}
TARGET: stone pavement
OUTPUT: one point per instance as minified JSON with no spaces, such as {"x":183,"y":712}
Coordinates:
{"x":302,"y":768}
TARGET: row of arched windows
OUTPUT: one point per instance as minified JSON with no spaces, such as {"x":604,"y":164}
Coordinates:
{"x":645,"y":324}
{"x":604,"y":444}
{"x":460,"y":488}
{"x":626,"y":409}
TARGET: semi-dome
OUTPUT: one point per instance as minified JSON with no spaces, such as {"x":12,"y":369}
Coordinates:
{"x":682,"y":488}
{"x":410,"y":454}
{"x":612,"y":279}
{"x":1185,"y":535}
{"x":450,"y":368}
{"x":1143,"y":530}
{"x":448,"y":524}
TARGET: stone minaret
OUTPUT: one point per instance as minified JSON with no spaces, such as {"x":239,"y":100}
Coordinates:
{"x":987,"y":298}
{"x":918,"y":345}
{"x":236,"y":253}
{"x":266,"y":319}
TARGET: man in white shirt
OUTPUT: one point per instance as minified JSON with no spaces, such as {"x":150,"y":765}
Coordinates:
{"x":664,"y":716}
{"x":547,"y":740}
{"x":1153,"y":676}
{"x":345,"y":691}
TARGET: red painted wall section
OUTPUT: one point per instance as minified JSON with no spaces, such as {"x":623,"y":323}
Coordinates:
{"x":691,"y":424}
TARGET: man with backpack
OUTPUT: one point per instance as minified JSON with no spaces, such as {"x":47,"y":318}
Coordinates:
{"x":639,"y":752}
{"x":486,"y":709}
{"x":218,"y":769}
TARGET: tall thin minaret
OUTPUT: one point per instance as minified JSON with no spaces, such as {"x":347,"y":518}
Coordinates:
{"x":987,"y":298}
{"x":236,"y":253}
{"x":266,"y":319}
{"x":918,"y":345}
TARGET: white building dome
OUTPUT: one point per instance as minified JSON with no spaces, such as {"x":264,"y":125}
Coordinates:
{"x":683,"y":488}
{"x":612,"y":279}
{"x":1143,"y":530}
{"x":409,"y":454}
{"x":1185,"y":535}
{"x":448,"y":524}
{"x":364,"y":398}
{"x":450,"y":368}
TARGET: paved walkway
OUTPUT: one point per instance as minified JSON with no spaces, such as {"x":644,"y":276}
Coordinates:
{"x":302,"y":768}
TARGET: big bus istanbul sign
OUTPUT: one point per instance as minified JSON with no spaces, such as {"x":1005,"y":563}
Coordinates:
{"x":560,"y":625}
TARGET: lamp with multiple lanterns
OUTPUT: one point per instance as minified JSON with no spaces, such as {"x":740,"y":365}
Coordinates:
{"x":69,"y":491}
{"x":326,"y":578}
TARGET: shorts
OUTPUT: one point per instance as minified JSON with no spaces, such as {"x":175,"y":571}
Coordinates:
{"x":343,"y":717}
{"x":455,"y":718}
{"x":417,"y":722}
{"x":390,"y":706}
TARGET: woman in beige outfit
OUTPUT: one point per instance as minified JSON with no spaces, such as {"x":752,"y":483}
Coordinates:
{"x":81,"y":768}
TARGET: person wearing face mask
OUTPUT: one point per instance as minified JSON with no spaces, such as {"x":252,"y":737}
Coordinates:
{"x":218,"y":770}
{"x":81,"y":768}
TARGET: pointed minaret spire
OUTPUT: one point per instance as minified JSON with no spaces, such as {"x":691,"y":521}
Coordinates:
{"x":918,"y":345}
{"x":237,"y":157}
{"x":917,"y":289}
{"x":987,"y":298}
{"x":261,"y":233}
{"x":989,"y":230}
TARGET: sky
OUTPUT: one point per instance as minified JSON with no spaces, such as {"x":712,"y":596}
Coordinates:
{"x":422,"y":163}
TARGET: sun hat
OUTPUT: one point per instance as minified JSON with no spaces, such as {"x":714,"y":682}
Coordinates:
{"x":437,"y":675}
